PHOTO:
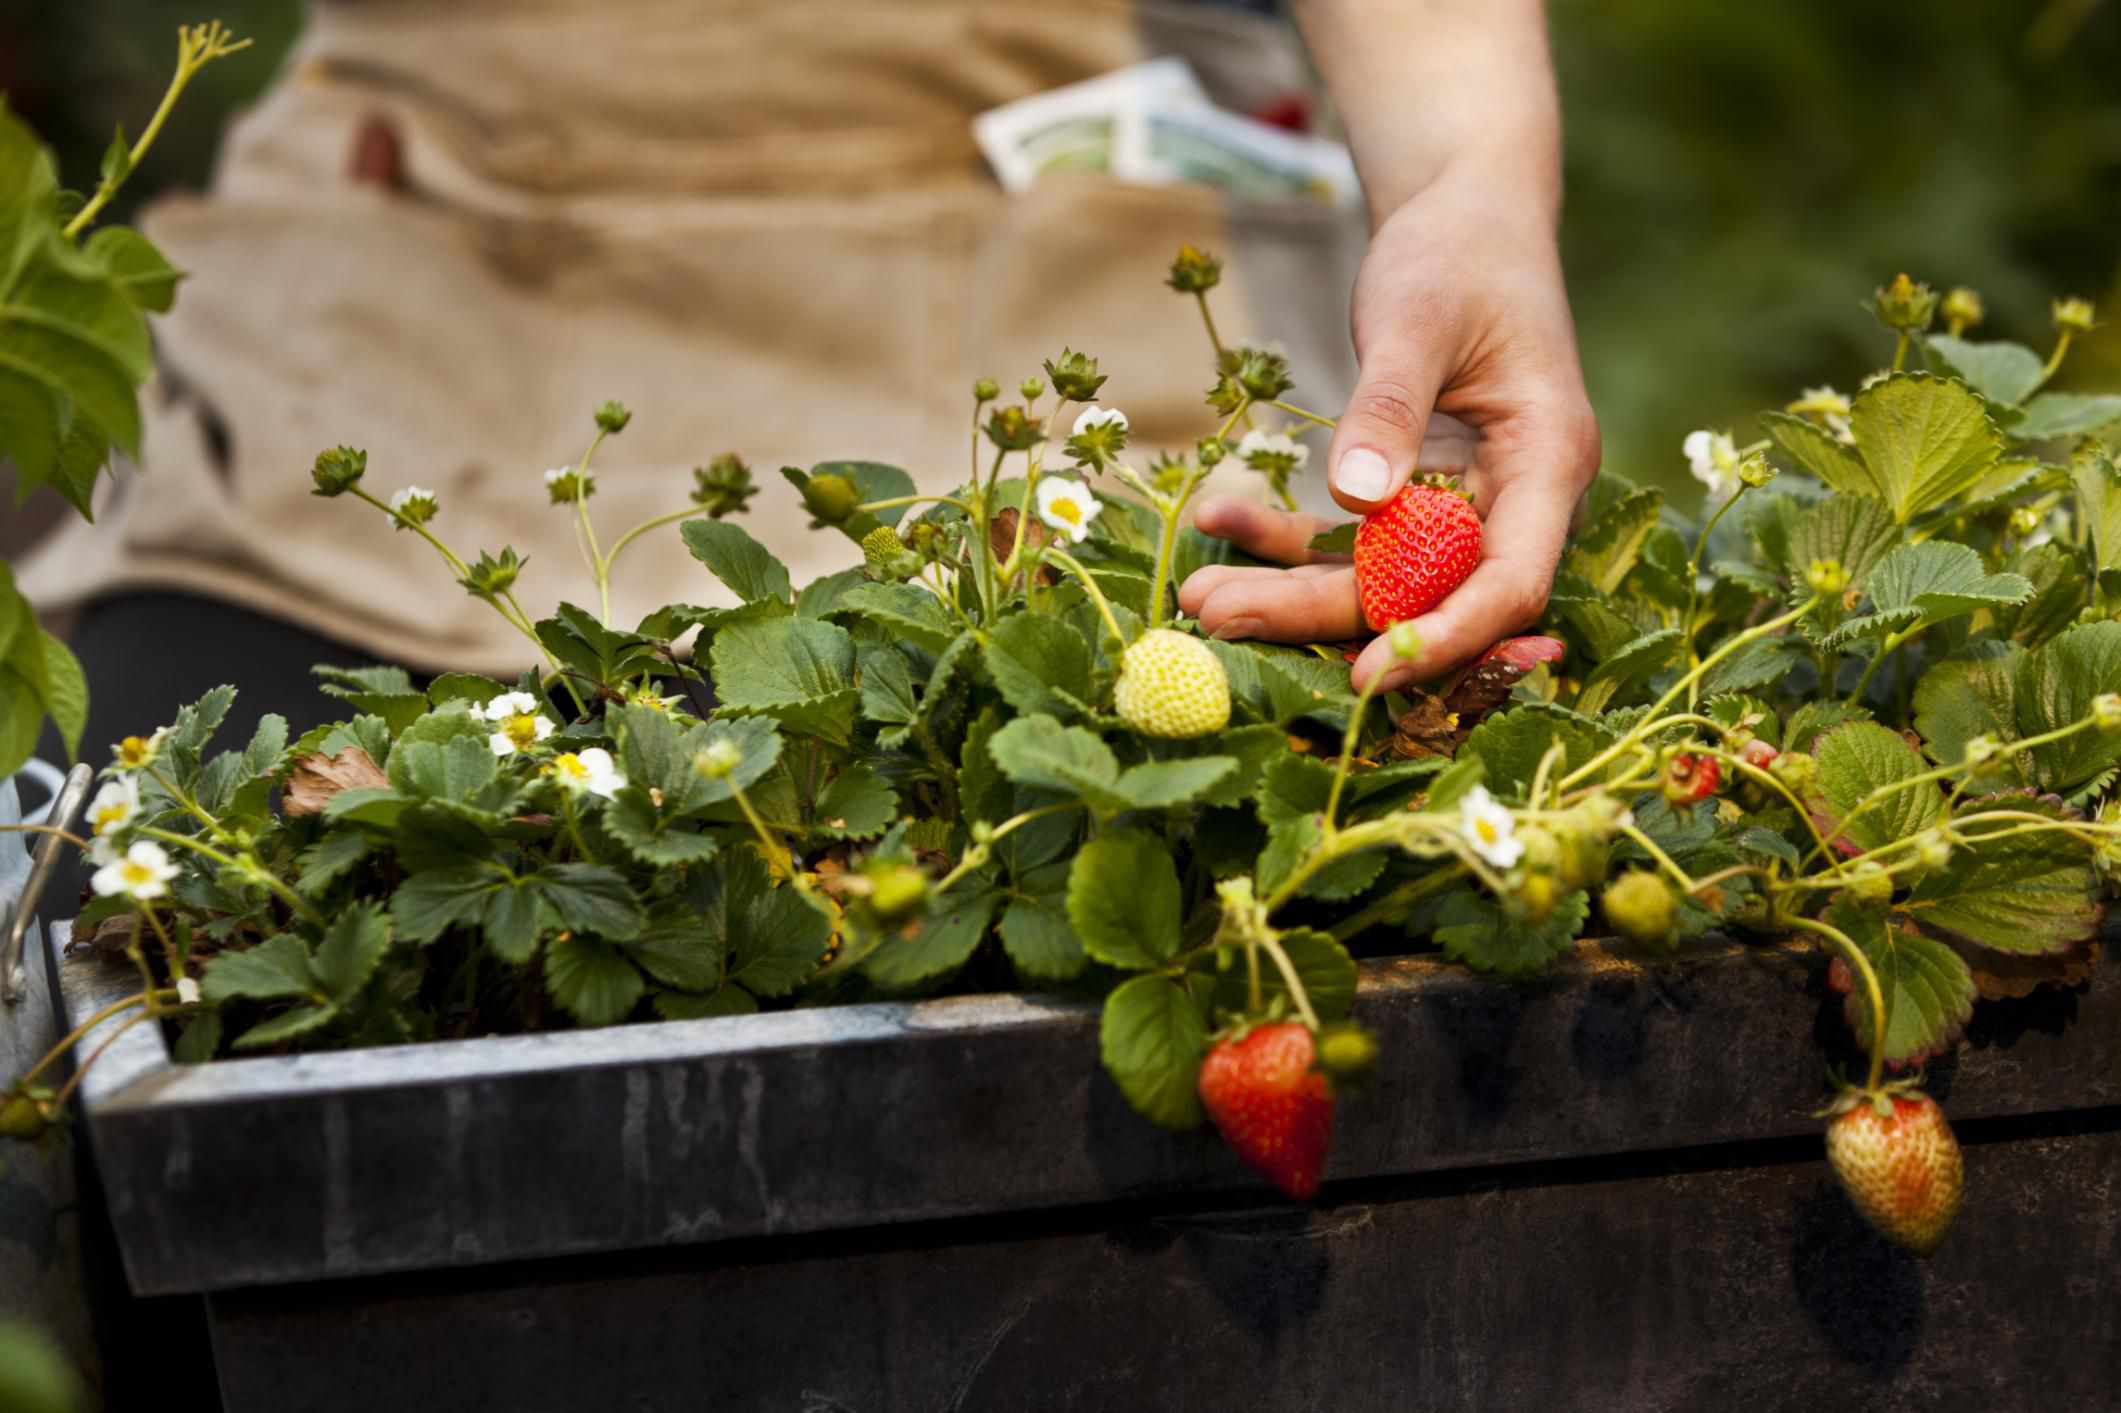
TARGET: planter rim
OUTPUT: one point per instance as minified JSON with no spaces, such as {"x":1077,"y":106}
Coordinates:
{"x":280,"y":1170}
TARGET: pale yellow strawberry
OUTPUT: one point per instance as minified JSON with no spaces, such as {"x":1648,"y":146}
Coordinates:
{"x":1173,"y":686}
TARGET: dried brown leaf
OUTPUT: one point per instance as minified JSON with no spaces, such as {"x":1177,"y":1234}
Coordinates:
{"x":317,"y":777}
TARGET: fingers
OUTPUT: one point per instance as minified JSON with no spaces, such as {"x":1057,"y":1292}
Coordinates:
{"x":1520,"y":545}
{"x":1378,"y":443}
{"x":1312,"y":605}
{"x":1263,"y":532}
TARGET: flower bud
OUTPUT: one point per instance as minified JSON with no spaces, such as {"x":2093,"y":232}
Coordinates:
{"x":1826,"y":577}
{"x":1871,"y":882}
{"x":2074,"y":315}
{"x":1799,"y":771}
{"x":414,"y":505}
{"x":23,"y":1119}
{"x":338,"y":470}
{"x":896,"y":890}
{"x":1210,"y":451}
{"x":1962,"y":310}
{"x":1264,"y":376}
{"x":2025,"y":520}
{"x":1933,"y":850}
{"x":1075,"y":376}
{"x":565,"y":485}
{"x":830,"y":498}
{"x":719,"y":760}
{"x":986,"y":390}
{"x":723,"y":486}
{"x":493,"y":576}
{"x":1905,"y":306}
{"x":1194,"y":272}
{"x":1981,"y":750}
{"x":1404,"y":640}
{"x":1032,"y":389}
{"x":612,"y":418}
{"x":1640,"y":907}
{"x":1755,"y":471}
{"x":1348,"y":1055}
{"x":1012,"y":429}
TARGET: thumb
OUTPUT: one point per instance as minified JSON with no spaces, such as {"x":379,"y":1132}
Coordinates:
{"x":1378,"y":444}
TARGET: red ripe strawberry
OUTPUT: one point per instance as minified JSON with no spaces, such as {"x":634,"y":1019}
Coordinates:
{"x":1690,"y":779}
{"x":1271,"y":1104}
{"x":1898,"y":1162}
{"x":1411,"y":554}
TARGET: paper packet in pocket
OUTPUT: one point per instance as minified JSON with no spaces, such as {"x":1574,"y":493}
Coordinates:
{"x":1085,"y":126}
{"x":1186,"y":142}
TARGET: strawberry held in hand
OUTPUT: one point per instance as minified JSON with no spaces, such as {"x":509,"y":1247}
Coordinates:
{"x":1271,"y":1104}
{"x":1411,"y":554}
{"x":1897,"y":1160}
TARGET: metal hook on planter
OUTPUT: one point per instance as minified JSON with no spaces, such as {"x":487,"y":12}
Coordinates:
{"x":14,"y":979}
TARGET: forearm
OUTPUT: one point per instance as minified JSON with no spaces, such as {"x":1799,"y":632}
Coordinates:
{"x":1431,"y":86}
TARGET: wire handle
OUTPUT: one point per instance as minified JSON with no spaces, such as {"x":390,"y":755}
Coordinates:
{"x":14,"y":977}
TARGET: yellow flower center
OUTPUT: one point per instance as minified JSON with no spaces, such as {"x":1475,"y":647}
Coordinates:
{"x":570,"y":765}
{"x":136,"y":874}
{"x":1067,"y":510}
{"x":523,"y":730}
{"x":132,"y":752}
{"x":110,"y":817}
{"x":1487,"y":830}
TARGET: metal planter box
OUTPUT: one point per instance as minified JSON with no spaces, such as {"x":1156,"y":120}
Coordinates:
{"x":1598,"y":1189}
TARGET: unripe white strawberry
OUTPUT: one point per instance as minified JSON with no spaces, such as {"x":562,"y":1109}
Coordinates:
{"x":1172,"y":686}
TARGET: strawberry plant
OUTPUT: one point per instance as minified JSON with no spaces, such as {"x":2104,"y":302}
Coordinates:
{"x":1870,"y":699}
{"x":74,"y":301}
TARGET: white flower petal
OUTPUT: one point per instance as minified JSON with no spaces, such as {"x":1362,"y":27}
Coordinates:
{"x":1093,"y":417}
{"x":1068,"y":507}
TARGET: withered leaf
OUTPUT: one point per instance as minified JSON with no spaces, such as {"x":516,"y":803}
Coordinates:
{"x":317,"y":777}
{"x":1001,"y":536}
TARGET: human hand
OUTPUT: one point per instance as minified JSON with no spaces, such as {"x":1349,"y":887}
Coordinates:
{"x":1458,"y":308}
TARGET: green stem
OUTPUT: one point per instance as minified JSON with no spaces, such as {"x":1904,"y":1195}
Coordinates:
{"x":197,"y":46}
{"x":895,"y":501}
{"x":1348,"y":741}
{"x":1890,"y":643}
{"x":1097,"y":596}
{"x":1663,"y":860}
{"x":1200,"y":297}
{"x":1900,"y":352}
{"x":67,"y":1041}
{"x":1856,"y":959}
{"x":978,"y":854}
{"x":1231,"y":420}
{"x":1650,"y":722}
{"x":597,"y":564}
{"x":644,"y":527}
{"x":1294,"y":411}
{"x":1289,"y":978}
{"x":252,"y":867}
{"x":2054,"y":360}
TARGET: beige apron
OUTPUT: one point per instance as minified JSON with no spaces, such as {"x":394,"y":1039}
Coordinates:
{"x":762,"y":226}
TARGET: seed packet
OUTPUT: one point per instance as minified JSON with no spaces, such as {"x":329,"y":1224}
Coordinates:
{"x":1082,"y":127}
{"x":1175,"y":141}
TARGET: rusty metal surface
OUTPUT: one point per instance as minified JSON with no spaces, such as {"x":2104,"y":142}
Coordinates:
{"x":283,"y":1170}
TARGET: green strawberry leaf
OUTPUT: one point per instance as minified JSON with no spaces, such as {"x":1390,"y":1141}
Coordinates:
{"x":2027,"y":894}
{"x":1928,"y":988}
{"x":1040,"y":664}
{"x":1153,"y":1038}
{"x":591,"y":981}
{"x":1925,"y":439}
{"x":799,"y":671}
{"x":943,"y":944}
{"x":1862,"y":757}
{"x":1472,"y":928}
{"x":1607,"y":548}
{"x":1124,"y":900}
{"x":1324,"y":967}
{"x":2061,"y":679}
{"x":2000,"y":371}
{"x":745,"y":566}
{"x":1810,"y":449}
{"x":1510,"y":745}
{"x":2053,"y":415}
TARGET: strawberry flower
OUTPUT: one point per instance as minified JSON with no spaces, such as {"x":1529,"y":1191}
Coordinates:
{"x":1713,"y":457}
{"x":1489,"y":828}
{"x":116,"y":805}
{"x":1271,"y":452}
{"x":1100,"y":436}
{"x":591,"y":771}
{"x":1829,"y":409}
{"x":517,"y":722}
{"x":141,"y":873}
{"x":138,"y":753}
{"x":566,"y":485}
{"x":1068,"y":507}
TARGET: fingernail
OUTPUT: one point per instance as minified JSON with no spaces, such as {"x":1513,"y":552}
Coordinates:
{"x":1364,"y":474}
{"x":1236,"y":628}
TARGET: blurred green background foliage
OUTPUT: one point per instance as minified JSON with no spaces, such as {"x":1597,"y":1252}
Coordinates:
{"x":1740,"y":176}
